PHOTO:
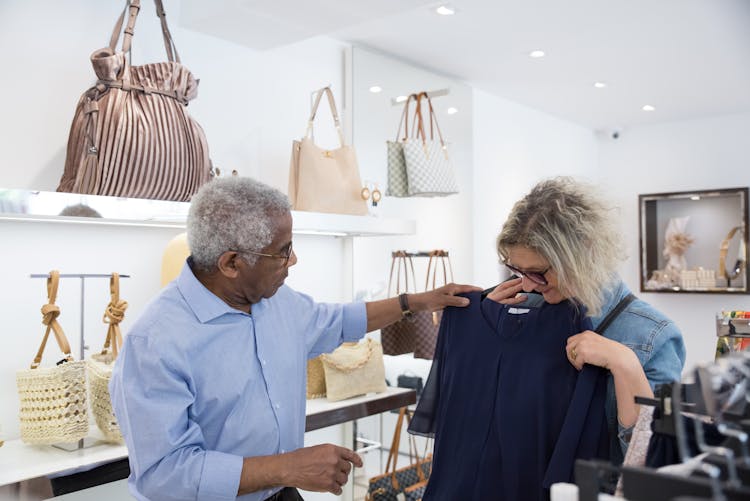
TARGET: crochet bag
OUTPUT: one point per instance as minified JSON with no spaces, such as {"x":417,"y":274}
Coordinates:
{"x":53,"y":405}
{"x":131,"y":134}
{"x":316,"y":378}
{"x":100,"y":365}
{"x":354,"y":369}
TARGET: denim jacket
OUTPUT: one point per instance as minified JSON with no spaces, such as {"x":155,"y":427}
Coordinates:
{"x":656,"y":341}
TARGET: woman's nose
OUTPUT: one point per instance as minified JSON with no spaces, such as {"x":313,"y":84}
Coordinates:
{"x":528,"y":285}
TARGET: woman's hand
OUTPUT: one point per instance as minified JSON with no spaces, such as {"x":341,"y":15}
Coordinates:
{"x":507,"y":292}
{"x":588,"y":347}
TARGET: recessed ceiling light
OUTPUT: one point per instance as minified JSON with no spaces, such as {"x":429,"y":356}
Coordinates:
{"x":536,"y":54}
{"x":401,"y":99}
{"x":600,"y":85}
{"x":445,"y":10}
{"x":648,"y":107}
{"x":452,"y":110}
{"x":375,"y":89}
{"x":695,"y":197}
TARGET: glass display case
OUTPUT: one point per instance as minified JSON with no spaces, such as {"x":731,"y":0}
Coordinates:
{"x":694,"y":241}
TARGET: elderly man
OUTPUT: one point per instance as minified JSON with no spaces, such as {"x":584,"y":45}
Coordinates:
{"x":209,"y":389}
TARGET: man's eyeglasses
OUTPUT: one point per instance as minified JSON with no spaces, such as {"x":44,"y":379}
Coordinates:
{"x":535,"y":276}
{"x":283,"y":255}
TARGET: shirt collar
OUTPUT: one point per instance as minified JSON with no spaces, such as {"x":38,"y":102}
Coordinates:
{"x":205,"y":304}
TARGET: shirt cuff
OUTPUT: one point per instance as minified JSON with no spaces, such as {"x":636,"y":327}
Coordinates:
{"x":221,"y":476}
{"x":624,"y":434}
{"x":354,"y":321}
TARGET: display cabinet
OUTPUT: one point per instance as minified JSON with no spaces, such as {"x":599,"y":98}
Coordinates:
{"x":694,"y":241}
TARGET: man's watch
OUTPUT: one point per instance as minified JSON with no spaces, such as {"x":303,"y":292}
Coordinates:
{"x":405,"y":311}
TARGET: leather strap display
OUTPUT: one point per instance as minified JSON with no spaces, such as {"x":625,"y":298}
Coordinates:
{"x":624,"y":302}
{"x":113,"y":315}
{"x":332,"y":105}
{"x":50,"y":312}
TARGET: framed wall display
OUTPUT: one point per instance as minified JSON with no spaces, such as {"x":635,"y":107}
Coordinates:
{"x":694,"y":241}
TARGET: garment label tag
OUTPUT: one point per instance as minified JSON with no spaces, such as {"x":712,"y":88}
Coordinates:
{"x":518,"y":311}
{"x":401,"y":496}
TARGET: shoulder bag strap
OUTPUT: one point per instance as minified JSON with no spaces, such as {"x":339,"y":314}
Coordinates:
{"x":405,"y":119}
{"x":332,"y":105}
{"x":132,"y":7}
{"x":624,"y":302}
{"x":50,"y":312}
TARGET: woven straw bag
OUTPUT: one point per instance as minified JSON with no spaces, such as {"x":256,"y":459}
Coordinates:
{"x":354,"y":369}
{"x":316,"y":378}
{"x":53,"y":405}
{"x":100,"y":365}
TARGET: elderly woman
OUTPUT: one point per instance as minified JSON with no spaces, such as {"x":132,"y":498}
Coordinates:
{"x":560,"y":240}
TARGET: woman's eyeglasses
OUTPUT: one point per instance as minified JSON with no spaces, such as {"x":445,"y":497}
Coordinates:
{"x":535,"y":276}
{"x":283,"y":255}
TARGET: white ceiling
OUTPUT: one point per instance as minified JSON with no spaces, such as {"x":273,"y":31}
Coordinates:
{"x":687,"y":58}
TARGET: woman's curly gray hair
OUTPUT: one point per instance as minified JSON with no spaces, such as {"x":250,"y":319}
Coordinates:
{"x":233,"y":213}
{"x":566,"y":223}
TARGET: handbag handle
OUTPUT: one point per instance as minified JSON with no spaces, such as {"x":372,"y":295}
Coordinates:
{"x":403,"y":414}
{"x":132,"y":7}
{"x":50,"y":312}
{"x":405,"y":118}
{"x":401,"y":256}
{"x":443,"y":256}
{"x":350,"y":367}
{"x":433,"y":121}
{"x":113,"y":315}
{"x":332,"y":105}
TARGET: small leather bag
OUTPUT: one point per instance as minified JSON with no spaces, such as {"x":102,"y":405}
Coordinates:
{"x":354,"y":369}
{"x":53,"y":405}
{"x":427,"y":323}
{"x":131,"y":134}
{"x":323,"y":180}
{"x":100,"y":365}
{"x":399,"y":337}
{"x":428,"y":165}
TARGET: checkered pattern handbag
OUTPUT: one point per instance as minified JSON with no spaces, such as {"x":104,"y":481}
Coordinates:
{"x":398,"y":185}
{"x":429,"y":170}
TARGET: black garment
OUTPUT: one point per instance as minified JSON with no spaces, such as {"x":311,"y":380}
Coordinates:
{"x":508,"y":412}
{"x":286,"y":494}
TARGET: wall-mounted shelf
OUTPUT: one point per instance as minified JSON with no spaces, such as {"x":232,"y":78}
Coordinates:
{"x":46,"y":207}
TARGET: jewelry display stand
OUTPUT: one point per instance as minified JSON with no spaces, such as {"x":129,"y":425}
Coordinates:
{"x":86,"y":441}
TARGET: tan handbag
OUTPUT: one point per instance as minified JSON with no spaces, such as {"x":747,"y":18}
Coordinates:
{"x":325,"y":180}
{"x":53,"y":405}
{"x":131,"y":135}
{"x":354,"y":369}
{"x":100,"y":365}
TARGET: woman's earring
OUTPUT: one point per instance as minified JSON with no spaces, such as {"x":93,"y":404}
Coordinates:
{"x":365,"y":193}
{"x":376,"y":196}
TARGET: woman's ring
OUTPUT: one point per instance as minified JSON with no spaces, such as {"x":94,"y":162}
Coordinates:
{"x":573,"y":353}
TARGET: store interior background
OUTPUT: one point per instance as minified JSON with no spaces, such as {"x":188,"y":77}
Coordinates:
{"x":253,"y":101}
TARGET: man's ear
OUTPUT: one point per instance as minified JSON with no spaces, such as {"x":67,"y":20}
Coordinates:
{"x":228,"y":264}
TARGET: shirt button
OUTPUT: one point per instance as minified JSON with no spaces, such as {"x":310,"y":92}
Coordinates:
{"x":278,"y":406}
{"x":263,"y":362}
{"x":283,"y":451}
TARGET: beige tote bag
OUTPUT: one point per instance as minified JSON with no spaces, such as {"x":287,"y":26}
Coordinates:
{"x":323,"y":180}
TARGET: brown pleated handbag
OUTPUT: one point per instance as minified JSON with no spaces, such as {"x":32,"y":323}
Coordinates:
{"x":131,"y":135}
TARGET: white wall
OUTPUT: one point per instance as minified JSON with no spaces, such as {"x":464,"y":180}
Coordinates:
{"x":514,"y":147}
{"x":707,"y":153}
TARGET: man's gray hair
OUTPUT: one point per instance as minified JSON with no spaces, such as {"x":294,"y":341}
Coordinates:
{"x":565,"y":222}
{"x":232,"y":213}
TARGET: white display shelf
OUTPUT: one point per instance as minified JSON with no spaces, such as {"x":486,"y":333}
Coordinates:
{"x":20,"y":461}
{"x":46,"y":206}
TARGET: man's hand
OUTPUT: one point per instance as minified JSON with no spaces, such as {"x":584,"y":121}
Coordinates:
{"x":320,"y":468}
{"x":441,"y":297}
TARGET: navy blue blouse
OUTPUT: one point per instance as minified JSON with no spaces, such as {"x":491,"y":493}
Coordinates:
{"x":509,"y":413}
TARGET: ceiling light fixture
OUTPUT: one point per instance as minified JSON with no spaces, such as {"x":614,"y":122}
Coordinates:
{"x":536,"y":54}
{"x":375,"y":89}
{"x":445,"y":10}
{"x":648,"y":107}
{"x":452,"y":110}
{"x":401,"y":99}
{"x":695,"y":197}
{"x":600,"y":85}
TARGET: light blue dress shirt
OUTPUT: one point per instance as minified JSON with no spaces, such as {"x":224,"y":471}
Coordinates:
{"x":199,"y":385}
